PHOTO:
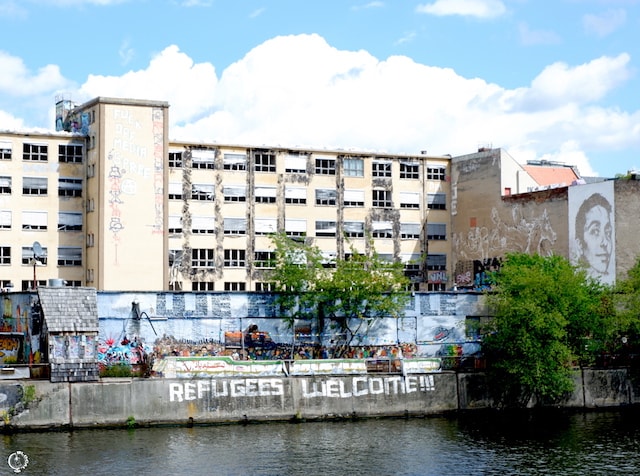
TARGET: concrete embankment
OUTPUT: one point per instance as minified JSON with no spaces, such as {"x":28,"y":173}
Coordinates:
{"x":37,"y":405}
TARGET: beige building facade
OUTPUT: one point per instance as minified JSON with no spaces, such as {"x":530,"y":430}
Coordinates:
{"x":135,"y":211}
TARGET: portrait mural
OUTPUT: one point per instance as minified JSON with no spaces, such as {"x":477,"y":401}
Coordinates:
{"x":592,"y":230}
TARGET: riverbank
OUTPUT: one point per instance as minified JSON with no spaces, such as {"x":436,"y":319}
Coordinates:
{"x":126,"y":402}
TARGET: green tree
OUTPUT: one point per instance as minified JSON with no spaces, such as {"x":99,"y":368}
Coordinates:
{"x":349,"y":294}
{"x":624,"y":330}
{"x":548,"y":315}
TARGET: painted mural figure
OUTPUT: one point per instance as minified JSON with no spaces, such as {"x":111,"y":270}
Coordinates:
{"x":593,"y":236}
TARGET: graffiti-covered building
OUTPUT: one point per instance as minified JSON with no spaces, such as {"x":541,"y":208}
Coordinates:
{"x":500,"y":206}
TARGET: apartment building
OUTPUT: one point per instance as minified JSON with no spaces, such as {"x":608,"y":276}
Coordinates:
{"x":136,"y":211}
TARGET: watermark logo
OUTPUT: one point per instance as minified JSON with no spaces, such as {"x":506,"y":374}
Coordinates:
{"x":17,"y":461}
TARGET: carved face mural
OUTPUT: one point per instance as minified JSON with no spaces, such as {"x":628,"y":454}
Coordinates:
{"x":592,"y":238}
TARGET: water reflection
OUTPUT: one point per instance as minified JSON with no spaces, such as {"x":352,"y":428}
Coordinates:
{"x":558,"y":443}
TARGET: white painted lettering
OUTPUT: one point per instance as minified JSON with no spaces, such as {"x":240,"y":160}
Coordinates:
{"x":190,"y":391}
{"x":203,"y":388}
{"x":175,"y":392}
{"x":411,"y":384}
{"x":362,"y":383}
{"x":376,"y":386}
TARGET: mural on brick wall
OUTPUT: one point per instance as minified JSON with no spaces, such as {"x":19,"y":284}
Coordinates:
{"x":480,"y":249}
{"x":592,"y":230}
{"x":135,"y":326}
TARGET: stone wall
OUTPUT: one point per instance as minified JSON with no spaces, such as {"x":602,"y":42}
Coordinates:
{"x":161,"y":401}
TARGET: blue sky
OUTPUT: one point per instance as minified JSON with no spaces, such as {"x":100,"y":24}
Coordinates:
{"x":543,"y":79}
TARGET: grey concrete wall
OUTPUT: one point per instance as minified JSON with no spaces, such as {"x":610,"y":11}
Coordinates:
{"x":157,"y":401}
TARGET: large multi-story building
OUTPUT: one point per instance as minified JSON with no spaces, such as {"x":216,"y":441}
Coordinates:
{"x":135,"y":211}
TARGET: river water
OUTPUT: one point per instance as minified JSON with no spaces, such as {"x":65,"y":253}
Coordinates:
{"x":559,"y":443}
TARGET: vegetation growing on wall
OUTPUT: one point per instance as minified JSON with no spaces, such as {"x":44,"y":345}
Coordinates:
{"x":549,"y":317}
{"x":348,"y":294}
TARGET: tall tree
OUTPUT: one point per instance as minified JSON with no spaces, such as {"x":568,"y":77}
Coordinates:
{"x":546,"y":314}
{"x":349,"y":294}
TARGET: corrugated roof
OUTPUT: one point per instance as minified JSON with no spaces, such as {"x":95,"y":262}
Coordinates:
{"x":549,"y":175}
{"x":69,"y":309}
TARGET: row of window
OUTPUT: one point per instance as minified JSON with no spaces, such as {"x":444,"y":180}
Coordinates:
{"x":67,"y":187}
{"x":67,"y":153}
{"x":298,"y":196}
{"x":38,"y":220}
{"x":67,"y":256}
{"x":201,"y":225}
{"x":203,"y":258}
{"x":297,"y":163}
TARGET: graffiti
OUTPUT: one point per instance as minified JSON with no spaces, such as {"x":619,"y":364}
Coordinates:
{"x":158,"y":169}
{"x":326,"y":388}
{"x":361,"y":386}
{"x":119,"y":352}
{"x":477,"y":274}
{"x":532,"y":234}
{"x":10,"y":348}
{"x":246,"y":387}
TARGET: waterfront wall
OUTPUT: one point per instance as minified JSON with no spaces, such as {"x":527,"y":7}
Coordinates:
{"x":176,"y":401}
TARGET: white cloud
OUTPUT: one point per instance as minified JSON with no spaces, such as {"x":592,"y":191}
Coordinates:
{"x":367,"y":6}
{"x":256,"y":13}
{"x":126,"y":52}
{"x":473,"y":8}
{"x":171,"y":76}
{"x":604,"y":24}
{"x":17,"y":80}
{"x":300,"y":91}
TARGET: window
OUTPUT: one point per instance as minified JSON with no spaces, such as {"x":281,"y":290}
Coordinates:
{"x":354,"y":229}
{"x":27,"y":255}
{"x":5,"y":219}
{"x":36,"y":152}
{"x":265,"y":226}
{"x":436,"y":201}
{"x":353,"y":198}
{"x":5,"y":185}
{"x":175,"y":160}
{"x":437,"y":262}
{"x":69,"y":256}
{"x":235,"y":226}
{"x":325,"y":166}
{"x":72,"y":283}
{"x":381,"y":169}
{"x":235,"y":193}
{"x":175,"y":224}
{"x":409,"y":170}
{"x":34,"y":220}
{"x":69,"y":221}
{"x":235,"y":286}
{"x":410,"y":231}
{"x":382,"y":229}
{"x":234,"y":162}
{"x":264,"y":259}
{"x":202,"y":258}
{"x":5,"y":150}
{"x":436,"y":231}
{"x":381,"y":199}
{"x":295,"y":195}
{"x":175,"y":258}
{"x":34,"y":185}
{"x":329,"y":259}
{"x":201,"y":191}
{"x":203,"y":225}
{"x":5,"y":255}
{"x":91,"y":240}
{"x":326,"y":197}
{"x":202,"y":286}
{"x":325,"y":228}
{"x":175,"y":191}
{"x":265,"y":194}
{"x":235,"y":258}
{"x":70,"y":153}
{"x":295,"y":163}
{"x":409,"y":200}
{"x":203,"y":159}
{"x":353,"y":167}
{"x":27,"y":284}
{"x":264,"y":161}
{"x":265,"y":287}
{"x":411,"y":265}
{"x":69,"y":187}
{"x":436,"y":173}
{"x":295,"y":227}
{"x":436,"y":287}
